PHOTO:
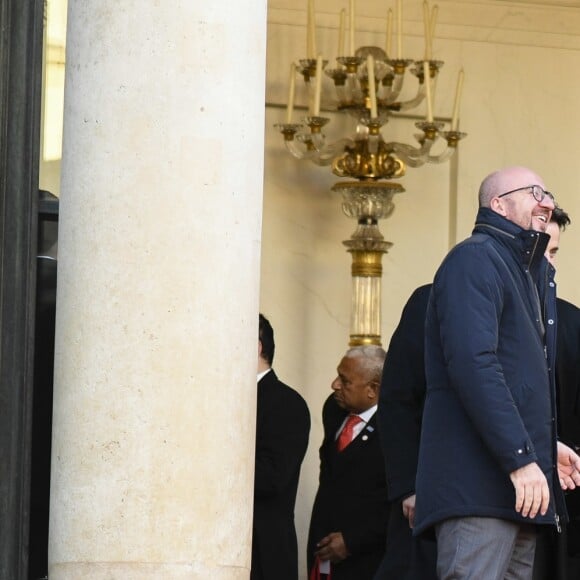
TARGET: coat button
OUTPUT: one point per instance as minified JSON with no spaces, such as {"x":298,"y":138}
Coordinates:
{"x":550,"y":321}
{"x":520,"y":451}
{"x":552,"y":284}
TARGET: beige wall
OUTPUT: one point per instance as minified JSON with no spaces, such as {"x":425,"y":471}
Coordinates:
{"x":520,"y":106}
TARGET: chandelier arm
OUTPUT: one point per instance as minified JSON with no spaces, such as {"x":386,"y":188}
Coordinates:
{"x":442,"y":157}
{"x":340,"y":145}
{"x":327,"y":155}
{"x":410,"y":152}
{"x":414,"y":161}
{"x":404,"y":149}
{"x":323,"y":159}
{"x":324,"y":149}
{"x":300,"y":151}
{"x":321,"y":156}
{"x":395,"y":90}
{"x":318,"y":141}
{"x":416,"y":100}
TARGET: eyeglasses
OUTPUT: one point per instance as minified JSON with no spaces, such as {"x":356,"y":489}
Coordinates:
{"x":538,"y":193}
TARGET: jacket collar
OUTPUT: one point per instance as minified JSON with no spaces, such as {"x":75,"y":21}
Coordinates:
{"x":528,"y":246}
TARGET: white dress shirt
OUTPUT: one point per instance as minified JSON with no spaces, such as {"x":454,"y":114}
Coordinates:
{"x":365,"y":416}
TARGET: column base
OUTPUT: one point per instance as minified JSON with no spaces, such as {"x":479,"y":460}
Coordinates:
{"x":145,"y":571}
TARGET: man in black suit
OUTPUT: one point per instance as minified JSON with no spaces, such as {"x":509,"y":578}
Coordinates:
{"x":558,"y":555}
{"x":282,"y":429}
{"x":349,"y":518}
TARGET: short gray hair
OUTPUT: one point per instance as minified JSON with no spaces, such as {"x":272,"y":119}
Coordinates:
{"x":372,"y":358}
{"x":488,"y":189}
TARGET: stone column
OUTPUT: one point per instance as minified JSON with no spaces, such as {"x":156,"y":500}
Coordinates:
{"x":159,"y":245}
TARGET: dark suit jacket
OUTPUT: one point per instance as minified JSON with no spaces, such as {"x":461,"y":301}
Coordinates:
{"x":351,"y":497}
{"x":282,"y":429}
{"x":568,"y":396}
{"x":558,"y":554}
{"x":568,"y":373}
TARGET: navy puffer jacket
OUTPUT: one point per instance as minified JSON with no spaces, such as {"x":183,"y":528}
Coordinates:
{"x":489,"y":347}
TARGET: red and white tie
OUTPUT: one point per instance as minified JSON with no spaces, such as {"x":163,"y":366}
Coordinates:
{"x":345,"y":436}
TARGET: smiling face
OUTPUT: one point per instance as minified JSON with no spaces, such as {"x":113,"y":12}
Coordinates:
{"x":520,"y":206}
{"x":354,"y":389}
{"x":526,"y":212}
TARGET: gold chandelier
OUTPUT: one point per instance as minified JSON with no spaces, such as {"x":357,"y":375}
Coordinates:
{"x":368,"y":83}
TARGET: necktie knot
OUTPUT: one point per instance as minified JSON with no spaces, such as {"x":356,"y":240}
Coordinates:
{"x":346,"y":435}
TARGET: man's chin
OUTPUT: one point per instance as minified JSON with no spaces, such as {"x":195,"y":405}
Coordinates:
{"x":539,"y":225}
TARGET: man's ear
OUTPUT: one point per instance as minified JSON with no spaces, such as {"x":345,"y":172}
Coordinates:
{"x":498,"y":205}
{"x":373,"y":392}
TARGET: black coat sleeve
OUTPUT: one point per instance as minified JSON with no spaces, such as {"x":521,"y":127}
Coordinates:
{"x":402,"y":396}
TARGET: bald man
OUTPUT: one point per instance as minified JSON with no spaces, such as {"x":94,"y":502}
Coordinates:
{"x":490,"y":468}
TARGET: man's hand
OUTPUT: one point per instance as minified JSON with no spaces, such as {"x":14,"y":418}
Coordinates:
{"x":568,"y":467}
{"x":532,"y":492}
{"x":408,"y":506}
{"x":332,"y":547}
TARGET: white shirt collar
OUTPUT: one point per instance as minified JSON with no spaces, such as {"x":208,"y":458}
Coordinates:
{"x":366,"y":415}
{"x":263,"y":374}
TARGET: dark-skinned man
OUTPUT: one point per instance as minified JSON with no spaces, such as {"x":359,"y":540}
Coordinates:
{"x":348,"y":525}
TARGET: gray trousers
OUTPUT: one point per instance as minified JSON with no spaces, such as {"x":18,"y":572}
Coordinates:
{"x":484,"y":549}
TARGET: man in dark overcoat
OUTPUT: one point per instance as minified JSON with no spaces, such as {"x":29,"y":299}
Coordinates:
{"x":399,"y":418}
{"x":490,"y":466}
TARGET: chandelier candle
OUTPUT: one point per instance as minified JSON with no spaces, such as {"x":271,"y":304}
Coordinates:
{"x":427,"y":81}
{"x":372,"y":86}
{"x":427,"y":24}
{"x":318,"y":89}
{"x":351,"y":30}
{"x":389,"y":44}
{"x":311,"y":31}
{"x":341,"y":33}
{"x":434,"y":14}
{"x":291,"y":93}
{"x":399,"y":29}
{"x":455,"y":118}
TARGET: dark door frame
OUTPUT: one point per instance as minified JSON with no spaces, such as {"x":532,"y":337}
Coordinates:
{"x":21,"y":24}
